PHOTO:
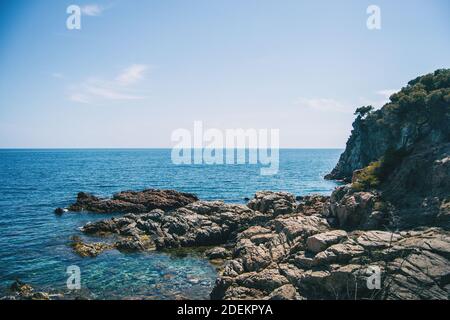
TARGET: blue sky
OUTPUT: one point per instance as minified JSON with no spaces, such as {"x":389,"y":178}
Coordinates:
{"x":138,"y":70}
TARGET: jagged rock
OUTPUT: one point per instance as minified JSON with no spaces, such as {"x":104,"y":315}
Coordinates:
{"x":217,"y":253}
{"x":133,"y":201}
{"x":433,"y":240}
{"x":338,"y":253}
{"x":201,"y":223}
{"x":40,"y":296}
{"x":274,"y":203}
{"x":99,"y":227}
{"x":233,"y":268}
{"x":21,"y":288}
{"x":356,"y":209}
{"x":286,"y":292}
{"x":22,"y":291}
{"x":243,"y":293}
{"x":300,"y":226}
{"x":135,"y":244}
{"x":255,"y":257}
{"x":303,"y":259}
{"x":319,"y":242}
{"x":266,"y":280}
{"x":313,"y":204}
{"x":132,"y":245}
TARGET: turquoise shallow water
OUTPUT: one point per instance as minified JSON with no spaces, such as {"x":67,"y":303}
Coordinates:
{"x":34,"y":242}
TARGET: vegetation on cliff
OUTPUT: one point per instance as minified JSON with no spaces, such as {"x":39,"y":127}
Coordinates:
{"x":418,"y":113}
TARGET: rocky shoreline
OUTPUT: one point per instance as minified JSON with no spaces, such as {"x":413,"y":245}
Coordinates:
{"x":280,"y":247}
{"x":277,"y":247}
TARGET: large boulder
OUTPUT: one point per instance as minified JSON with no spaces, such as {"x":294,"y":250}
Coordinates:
{"x":358,"y":210}
{"x":274,"y":203}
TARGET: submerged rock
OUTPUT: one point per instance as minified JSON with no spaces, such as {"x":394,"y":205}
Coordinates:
{"x":60,"y":211}
{"x":22,"y":291}
{"x":84,"y":249}
{"x":21,"y":288}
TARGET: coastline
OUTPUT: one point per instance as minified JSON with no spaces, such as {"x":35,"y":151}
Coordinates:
{"x":385,"y":234}
{"x":275,"y":247}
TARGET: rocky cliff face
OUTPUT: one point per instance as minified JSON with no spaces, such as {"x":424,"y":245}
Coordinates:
{"x":401,"y":154}
{"x":420,"y":112}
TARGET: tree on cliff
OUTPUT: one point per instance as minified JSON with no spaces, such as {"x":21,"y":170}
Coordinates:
{"x":363,"y":111}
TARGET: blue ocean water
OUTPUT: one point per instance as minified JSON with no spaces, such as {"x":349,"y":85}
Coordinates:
{"x":34,"y":243}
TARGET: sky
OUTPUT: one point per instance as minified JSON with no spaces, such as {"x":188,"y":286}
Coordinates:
{"x":138,"y":70}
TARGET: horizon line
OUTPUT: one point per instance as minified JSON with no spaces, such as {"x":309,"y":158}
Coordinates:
{"x":158,"y":148}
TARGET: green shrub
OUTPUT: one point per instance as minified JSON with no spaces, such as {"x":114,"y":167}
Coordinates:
{"x":367,"y":178}
{"x":377,"y":172}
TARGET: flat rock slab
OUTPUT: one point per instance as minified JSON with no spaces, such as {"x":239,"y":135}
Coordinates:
{"x":319,"y":242}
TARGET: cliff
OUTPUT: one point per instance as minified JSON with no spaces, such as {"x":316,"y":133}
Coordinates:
{"x":420,"y":112}
{"x":401,"y":153}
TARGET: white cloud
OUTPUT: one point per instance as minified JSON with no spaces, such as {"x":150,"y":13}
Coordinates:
{"x":92,"y":10}
{"x":121,"y":88}
{"x":79,"y":97}
{"x":131,"y":74}
{"x":323,"y":104}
